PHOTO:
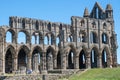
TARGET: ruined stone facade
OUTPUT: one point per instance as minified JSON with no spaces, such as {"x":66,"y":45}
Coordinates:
{"x":89,"y":42}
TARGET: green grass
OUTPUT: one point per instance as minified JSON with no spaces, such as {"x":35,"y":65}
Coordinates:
{"x":97,"y":74}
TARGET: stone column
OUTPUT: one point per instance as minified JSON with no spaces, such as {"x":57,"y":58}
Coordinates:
{"x":88,"y":62}
{"x":76,"y":63}
{"x":63,"y":60}
{"x":15,"y":63}
{"x":36,"y":63}
{"x":29,"y":63}
{"x":55,"y":62}
{"x":44,"y":71}
{"x":99,"y":61}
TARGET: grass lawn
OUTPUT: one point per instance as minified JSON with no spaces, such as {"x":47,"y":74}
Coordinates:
{"x":97,"y":74}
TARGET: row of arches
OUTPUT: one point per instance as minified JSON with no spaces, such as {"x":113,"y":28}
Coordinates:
{"x":93,"y":38}
{"x":50,"y":39}
{"x":23,"y":56}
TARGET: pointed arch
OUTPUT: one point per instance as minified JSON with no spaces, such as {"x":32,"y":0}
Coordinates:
{"x":105,"y":39}
{"x":93,"y":37}
{"x":105,"y":57}
{"x":9,"y":59}
{"x":49,"y":58}
{"x":37,"y":58}
{"x":94,"y":55}
{"x":23,"y":57}
{"x":10,"y":36}
{"x":23,"y":36}
{"x":82,"y":60}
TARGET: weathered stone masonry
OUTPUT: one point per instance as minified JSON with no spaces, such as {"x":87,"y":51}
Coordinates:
{"x":89,"y":42}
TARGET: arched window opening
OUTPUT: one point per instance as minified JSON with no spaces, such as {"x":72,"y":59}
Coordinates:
{"x":8,"y":62}
{"x":49,"y":59}
{"x":93,"y":58}
{"x":78,"y":39}
{"x":33,"y":39}
{"x":104,"y":26}
{"x":36,"y":60}
{"x":82,"y":60}
{"x":93,"y":25}
{"x":70,"y":39}
{"x":46,"y":40}
{"x":22,"y":60}
{"x":93,"y":37}
{"x":104,"y":59}
{"x":82,"y":37}
{"x":57,"y":41}
{"x":97,"y":13}
{"x":49,"y":26}
{"x":82,"y":23}
{"x":9,"y":37}
{"x":59,"y":60}
{"x":21,"y":38}
{"x":104,"y":38}
{"x":71,"y":60}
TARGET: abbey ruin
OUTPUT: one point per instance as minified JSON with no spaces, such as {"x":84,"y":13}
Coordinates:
{"x":89,"y":42}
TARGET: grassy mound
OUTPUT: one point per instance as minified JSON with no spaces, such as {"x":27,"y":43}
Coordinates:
{"x":97,"y":74}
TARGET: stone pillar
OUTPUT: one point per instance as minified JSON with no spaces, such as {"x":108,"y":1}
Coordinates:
{"x":63,"y":60}
{"x":15,"y":64}
{"x":29,"y":63}
{"x":99,"y":61}
{"x":44,"y":71}
{"x":36,"y":58}
{"x":88,"y":62}
{"x":76,"y":63}
{"x":66,"y":60}
{"x":55,"y":62}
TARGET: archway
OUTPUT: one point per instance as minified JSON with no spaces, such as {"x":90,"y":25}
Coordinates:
{"x":8,"y":62}
{"x":49,"y":59}
{"x":9,"y":37}
{"x":37,"y":59}
{"x":22,"y":60}
{"x":59,"y":60}
{"x":22,"y":38}
{"x":104,"y":58}
{"x":93,"y":58}
{"x":82,"y":60}
{"x":71,"y":60}
{"x":104,"y":38}
{"x":93,"y":37}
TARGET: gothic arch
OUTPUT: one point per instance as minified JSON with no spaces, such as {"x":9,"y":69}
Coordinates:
{"x":82,"y":59}
{"x":36,"y":58}
{"x":25,"y":48}
{"x":50,"y":58}
{"x":105,"y":38}
{"x":23,"y":54}
{"x":71,"y":56}
{"x":12,"y":35}
{"x":27,"y":35}
{"x":82,"y":36}
{"x":94,"y":56}
{"x":105,"y":57}
{"x":93,"y":37}
{"x":9,"y":59}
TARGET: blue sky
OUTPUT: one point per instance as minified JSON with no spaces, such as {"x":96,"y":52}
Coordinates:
{"x":55,"y":10}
